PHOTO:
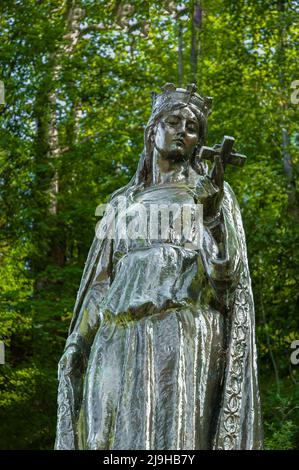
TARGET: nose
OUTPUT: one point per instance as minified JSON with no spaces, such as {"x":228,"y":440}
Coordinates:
{"x":182,"y":127}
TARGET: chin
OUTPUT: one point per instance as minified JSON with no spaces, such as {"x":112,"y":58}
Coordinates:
{"x":177,"y":156}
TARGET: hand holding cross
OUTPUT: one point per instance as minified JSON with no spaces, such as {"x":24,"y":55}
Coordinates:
{"x":224,"y":151}
{"x":221,"y":155}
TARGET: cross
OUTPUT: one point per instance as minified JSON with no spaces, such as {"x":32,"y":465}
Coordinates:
{"x":225,"y":150}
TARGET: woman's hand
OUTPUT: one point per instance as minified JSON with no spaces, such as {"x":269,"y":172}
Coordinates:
{"x":217,"y":172}
{"x":217,"y":179}
{"x":210,"y":190}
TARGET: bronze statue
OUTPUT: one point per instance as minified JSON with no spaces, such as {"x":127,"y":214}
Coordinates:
{"x":161,"y":349}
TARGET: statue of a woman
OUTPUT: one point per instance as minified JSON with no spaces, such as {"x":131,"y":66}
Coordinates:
{"x":161,"y":350}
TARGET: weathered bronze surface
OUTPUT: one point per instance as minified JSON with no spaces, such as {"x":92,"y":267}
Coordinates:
{"x":161,"y":350}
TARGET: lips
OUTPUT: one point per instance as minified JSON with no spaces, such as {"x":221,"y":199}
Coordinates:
{"x":179,"y":141}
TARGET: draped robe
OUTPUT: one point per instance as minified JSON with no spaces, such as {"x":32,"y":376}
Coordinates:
{"x":161,"y":350}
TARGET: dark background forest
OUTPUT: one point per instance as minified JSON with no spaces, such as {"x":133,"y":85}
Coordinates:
{"x":77,"y":76}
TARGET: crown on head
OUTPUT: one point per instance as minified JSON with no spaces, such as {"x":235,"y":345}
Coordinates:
{"x":171,"y":95}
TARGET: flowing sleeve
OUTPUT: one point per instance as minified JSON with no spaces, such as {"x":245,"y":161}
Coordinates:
{"x":221,"y":249}
{"x":239,"y":424}
{"x":94,"y":284}
{"x":240,"y":418}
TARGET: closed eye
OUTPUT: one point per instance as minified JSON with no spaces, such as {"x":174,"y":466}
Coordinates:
{"x":172,"y":121}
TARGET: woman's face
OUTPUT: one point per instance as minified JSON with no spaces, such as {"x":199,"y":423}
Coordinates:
{"x":177,"y":134}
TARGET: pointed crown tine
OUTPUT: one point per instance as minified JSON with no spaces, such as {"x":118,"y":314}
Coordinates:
{"x":171,"y":95}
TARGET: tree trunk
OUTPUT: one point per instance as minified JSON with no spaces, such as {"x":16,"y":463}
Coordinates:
{"x":180,"y":52}
{"x":48,"y":147}
{"x":195,"y":44}
{"x":284,"y":87}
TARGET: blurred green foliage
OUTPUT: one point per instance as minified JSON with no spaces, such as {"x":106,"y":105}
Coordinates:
{"x":78,"y":76}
